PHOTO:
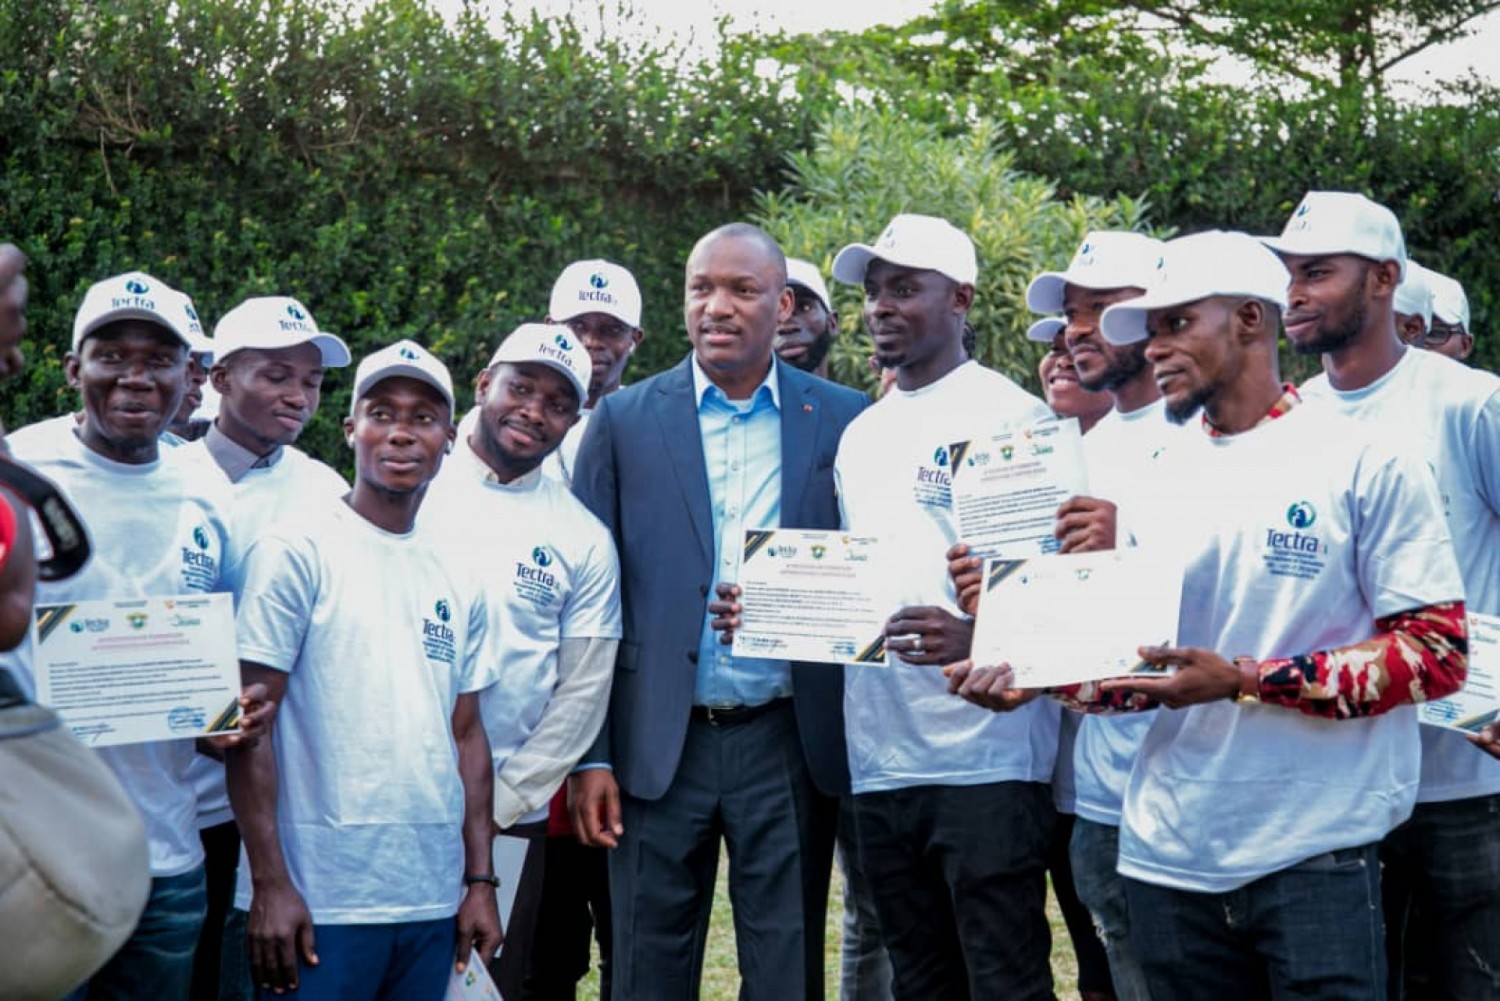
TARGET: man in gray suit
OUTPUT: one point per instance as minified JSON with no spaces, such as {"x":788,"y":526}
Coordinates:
{"x":701,"y":745}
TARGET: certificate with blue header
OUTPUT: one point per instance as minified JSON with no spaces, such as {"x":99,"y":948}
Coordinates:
{"x":1058,"y":620}
{"x":816,"y":596}
{"x":1477,"y":704}
{"x":1007,"y":487}
{"x":139,"y":669}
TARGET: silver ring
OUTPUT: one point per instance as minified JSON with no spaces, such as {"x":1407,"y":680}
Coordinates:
{"x":916,"y":645}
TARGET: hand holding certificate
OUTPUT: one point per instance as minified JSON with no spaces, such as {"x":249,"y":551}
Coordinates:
{"x":1007,"y":487}
{"x":1029,"y":615}
{"x":143,"y":669}
{"x":813,"y":596}
{"x":1477,"y":705}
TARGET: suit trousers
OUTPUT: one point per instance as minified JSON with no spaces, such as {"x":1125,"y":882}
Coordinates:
{"x":748,"y":785}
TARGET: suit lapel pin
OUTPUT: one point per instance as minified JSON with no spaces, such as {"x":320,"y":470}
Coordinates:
{"x":807,"y":408}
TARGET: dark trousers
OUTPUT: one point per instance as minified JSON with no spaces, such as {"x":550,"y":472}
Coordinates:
{"x":1312,"y":931}
{"x":392,"y":962}
{"x":747,"y":785}
{"x":221,"y":859}
{"x":1093,"y":962}
{"x":510,"y":968}
{"x":958,"y":875}
{"x":1442,"y":901}
{"x":574,"y":911}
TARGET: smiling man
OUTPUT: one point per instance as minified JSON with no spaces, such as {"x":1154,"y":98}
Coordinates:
{"x":366,"y":817}
{"x":1345,"y":254}
{"x":551,"y":576}
{"x":701,"y":746}
{"x":271,"y":360}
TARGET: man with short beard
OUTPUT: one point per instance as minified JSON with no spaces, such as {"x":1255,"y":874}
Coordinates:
{"x":807,"y":335}
{"x":1346,"y":255}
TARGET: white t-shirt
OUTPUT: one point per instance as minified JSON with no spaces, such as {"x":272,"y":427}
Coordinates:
{"x":550,"y":573}
{"x":1125,"y":453}
{"x":263,"y":496}
{"x":380,"y":634}
{"x":1452,"y":413}
{"x":904,"y":728}
{"x":157,"y":529}
{"x":1306,"y":532}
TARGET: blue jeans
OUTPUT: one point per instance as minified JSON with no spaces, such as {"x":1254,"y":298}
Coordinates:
{"x":1312,"y":931}
{"x":1095,"y":852}
{"x":391,"y":962}
{"x":156,"y":962}
{"x":1442,"y":900}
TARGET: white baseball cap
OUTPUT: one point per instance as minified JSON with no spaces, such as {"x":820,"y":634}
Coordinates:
{"x":1196,"y":267}
{"x":595,"y":286}
{"x":550,"y":344}
{"x":266,"y":323}
{"x":1414,"y":294}
{"x":1106,"y":259}
{"x":805,"y":274}
{"x":1342,"y":222}
{"x":1046,"y":329}
{"x":404,"y":358}
{"x":136,"y":295}
{"x":913,"y":241}
{"x":1449,"y":303}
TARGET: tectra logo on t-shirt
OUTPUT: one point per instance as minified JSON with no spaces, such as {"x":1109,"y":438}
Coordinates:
{"x":438,"y":638}
{"x":934,"y":486}
{"x":1299,"y":552}
{"x":533,"y":581}
{"x":200,"y":571}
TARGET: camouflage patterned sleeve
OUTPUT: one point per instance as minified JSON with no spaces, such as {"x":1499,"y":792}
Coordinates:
{"x":1416,"y":656}
{"x":1087,"y":697}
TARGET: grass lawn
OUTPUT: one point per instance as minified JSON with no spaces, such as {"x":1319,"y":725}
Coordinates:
{"x":721,"y":980}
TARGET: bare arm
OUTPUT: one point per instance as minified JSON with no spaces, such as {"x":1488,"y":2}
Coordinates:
{"x":478,"y":924}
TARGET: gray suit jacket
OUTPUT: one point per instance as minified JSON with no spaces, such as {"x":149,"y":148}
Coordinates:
{"x":641,"y":471}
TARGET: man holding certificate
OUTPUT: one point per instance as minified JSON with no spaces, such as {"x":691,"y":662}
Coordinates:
{"x":1321,"y":599}
{"x":162,"y":552}
{"x":951,"y":806}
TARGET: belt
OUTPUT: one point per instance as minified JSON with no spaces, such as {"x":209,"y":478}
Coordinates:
{"x":735,"y":715}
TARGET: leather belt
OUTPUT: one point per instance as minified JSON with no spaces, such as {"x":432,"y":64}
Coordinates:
{"x":735,"y":715}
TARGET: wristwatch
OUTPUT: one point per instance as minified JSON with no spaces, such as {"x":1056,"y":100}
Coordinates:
{"x":1249,"y":669}
{"x":483,"y":877}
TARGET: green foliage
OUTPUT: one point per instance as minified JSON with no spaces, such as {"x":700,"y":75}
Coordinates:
{"x":401,"y":175}
{"x":866,"y":167}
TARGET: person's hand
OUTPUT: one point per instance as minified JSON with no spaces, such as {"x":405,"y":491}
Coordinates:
{"x":594,"y":804}
{"x":12,"y":309}
{"x":257,"y":711}
{"x":279,"y":935}
{"x":990,"y":687}
{"x":967,"y":573}
{"x":926,"y":634}
{"x":726,"y":612}
{"x":477,"y":928}
{"x":1085,"y":525}
{"x":1201,"y":676}
{"x":1488,"y":740}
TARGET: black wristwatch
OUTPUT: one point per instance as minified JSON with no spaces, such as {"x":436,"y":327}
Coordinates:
{"x":487,"y":877}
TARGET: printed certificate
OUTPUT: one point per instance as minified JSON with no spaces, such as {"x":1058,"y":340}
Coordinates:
{"x":812,"y":595}
{"x":474,"y":984}
{"x":125,"y":672}
{"x":1007,"y":487}
{"x":1057,"y":620}
{"x":1478,"y":703}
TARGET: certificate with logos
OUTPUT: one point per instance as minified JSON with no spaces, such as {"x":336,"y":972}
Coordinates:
{"x":1062,"y":619}
{"x":474,"y":984}
{"x":813,"y":595}
{"x":139,"y":669}
{"x":1478,"y":703}
{"x":1007,"y":487}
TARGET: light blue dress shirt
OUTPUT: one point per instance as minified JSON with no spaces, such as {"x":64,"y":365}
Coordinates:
{"x":742,"y":454}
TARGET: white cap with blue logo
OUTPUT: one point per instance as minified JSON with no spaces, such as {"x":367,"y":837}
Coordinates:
{"x":1414,"y":294}
{"x":1449,"y":303}
{"x":595,"y":286}
{"x":1341,"y":222}
{"x":136,"y":295}
{"x":550,"y":344}
{"x":1106,"y":259}
{"x":271,"y":322}
{"x":404,"y":358}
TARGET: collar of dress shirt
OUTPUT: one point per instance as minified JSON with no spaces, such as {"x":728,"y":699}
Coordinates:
{"x":702,"y":385}
{"x":235,"y":459}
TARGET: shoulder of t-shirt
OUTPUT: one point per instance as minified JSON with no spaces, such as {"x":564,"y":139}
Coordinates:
{"x":580,"y":524}
{"x":39,"y":440}
{"x":316,"y":469}
{"x":1029,"y":407}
